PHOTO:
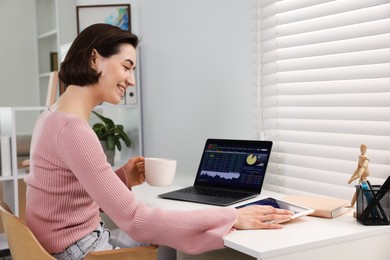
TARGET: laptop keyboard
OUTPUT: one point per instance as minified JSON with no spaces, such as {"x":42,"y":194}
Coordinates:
{"x":214,"y":192}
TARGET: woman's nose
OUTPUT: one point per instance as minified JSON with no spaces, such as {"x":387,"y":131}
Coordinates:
{"x":130,"y":81}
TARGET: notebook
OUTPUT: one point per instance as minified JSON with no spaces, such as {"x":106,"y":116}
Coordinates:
{"x":230,"y":171}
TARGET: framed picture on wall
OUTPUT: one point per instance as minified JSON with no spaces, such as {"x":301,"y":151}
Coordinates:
{"x":115,"y":14}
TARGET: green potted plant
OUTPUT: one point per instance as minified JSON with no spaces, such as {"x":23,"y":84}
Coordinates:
{"x":110,"y":136}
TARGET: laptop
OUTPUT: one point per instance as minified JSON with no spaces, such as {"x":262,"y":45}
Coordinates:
{"x":230,"y":171}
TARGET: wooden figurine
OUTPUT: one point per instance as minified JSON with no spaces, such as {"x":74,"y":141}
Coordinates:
{"x":361,"y":171}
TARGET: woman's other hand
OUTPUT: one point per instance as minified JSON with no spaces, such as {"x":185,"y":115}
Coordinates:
{"x":135,"y":171}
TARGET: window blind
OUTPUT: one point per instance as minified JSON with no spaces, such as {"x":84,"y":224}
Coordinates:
{"x":323,"y":90}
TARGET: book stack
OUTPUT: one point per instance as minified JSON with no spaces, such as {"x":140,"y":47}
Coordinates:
{"x":325,"y":207}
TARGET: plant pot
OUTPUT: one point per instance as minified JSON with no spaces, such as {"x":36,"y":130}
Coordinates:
{"x":109,"y":153}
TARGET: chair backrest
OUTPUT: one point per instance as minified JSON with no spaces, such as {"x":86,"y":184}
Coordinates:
{"x":21,"y":241}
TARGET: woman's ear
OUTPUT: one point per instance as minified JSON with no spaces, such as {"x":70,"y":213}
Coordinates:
{"x":94,"y":58}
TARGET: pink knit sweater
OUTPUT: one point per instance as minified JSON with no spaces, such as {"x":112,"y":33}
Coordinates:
{"x":70,"y":180}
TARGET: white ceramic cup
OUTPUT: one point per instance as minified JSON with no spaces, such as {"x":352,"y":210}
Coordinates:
{"x":159,"y":171}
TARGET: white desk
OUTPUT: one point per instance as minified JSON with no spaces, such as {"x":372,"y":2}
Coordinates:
{"x":304,"y":238}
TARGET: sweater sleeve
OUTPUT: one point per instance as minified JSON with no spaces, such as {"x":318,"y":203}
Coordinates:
{"x":192,"y":232}
{"x":120,"y":172}
{"x":189,"y":231}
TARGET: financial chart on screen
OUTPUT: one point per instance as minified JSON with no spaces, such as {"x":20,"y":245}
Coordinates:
{"x":235,"y":166}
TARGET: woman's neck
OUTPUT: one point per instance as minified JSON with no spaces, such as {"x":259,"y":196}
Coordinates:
{"x":77,"y":100}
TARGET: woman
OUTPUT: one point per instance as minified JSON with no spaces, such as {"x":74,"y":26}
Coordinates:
{"x":70,"y":179}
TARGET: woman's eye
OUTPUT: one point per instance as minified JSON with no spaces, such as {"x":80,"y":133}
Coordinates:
{"x":126,"y":68}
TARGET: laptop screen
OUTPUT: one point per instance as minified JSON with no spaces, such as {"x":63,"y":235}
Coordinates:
{"x":234,"y":164}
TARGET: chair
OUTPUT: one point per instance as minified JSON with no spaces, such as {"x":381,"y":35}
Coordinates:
{"x":24,"y":245}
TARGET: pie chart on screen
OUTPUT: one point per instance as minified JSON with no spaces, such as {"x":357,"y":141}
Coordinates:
{"x":251,"y":159}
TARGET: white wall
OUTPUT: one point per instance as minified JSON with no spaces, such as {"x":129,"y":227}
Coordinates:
{"x":198,"y":75}
{"x":198,"y":70}
{"x":18,"y":54}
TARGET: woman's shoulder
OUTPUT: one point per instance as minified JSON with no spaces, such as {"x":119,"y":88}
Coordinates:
{"x":60,"y":120}
{"x":60,"y":116}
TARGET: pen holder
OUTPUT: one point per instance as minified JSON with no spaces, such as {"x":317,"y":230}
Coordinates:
{"x":373,"y":205}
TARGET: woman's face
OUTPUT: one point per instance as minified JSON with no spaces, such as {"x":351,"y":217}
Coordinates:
{"x":117,"y":73}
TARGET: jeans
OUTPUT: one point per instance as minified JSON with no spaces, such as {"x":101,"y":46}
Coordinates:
{"x":97,"y":240}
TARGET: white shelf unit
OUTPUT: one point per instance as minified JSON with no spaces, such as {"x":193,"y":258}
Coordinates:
{"x":11,"y":127}
{"x":16,"y":121}
{"x":56,"y":25}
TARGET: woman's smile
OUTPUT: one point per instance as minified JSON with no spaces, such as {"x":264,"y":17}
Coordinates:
{"x":122,"y":90}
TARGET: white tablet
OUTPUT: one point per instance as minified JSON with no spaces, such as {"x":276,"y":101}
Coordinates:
{"x":298,"y":210}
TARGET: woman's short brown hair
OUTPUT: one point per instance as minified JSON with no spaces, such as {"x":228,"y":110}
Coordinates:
{"x":106,"y":39}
